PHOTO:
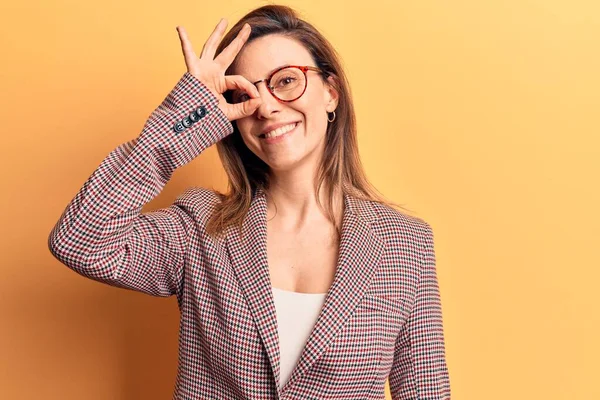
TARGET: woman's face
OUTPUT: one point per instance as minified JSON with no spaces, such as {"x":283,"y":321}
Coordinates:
{"x":305,"y":143}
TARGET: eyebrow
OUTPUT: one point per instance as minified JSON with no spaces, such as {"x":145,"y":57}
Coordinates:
{"x":271,"y":71}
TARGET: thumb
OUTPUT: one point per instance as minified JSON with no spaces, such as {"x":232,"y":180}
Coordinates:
{"x":245,"y":109}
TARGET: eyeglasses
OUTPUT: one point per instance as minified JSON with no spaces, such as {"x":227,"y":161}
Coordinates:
{"x":285,"y":84}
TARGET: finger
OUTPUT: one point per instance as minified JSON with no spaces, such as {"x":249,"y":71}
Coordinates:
{"x":244,"y":109}
{"x":210,"y":47}
{"x":234,"y":82}
{"x":228,"y":54}
{"x":186,"y":47}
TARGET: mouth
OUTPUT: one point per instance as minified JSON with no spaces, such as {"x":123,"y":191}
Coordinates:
{"x":280,"y":133}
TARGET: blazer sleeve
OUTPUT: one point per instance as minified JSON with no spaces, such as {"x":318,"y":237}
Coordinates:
{"x":102,"y":233}
{"x":419,"y":370}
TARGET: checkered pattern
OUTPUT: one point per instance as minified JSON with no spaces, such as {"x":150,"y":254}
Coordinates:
{"x":381,"y":317}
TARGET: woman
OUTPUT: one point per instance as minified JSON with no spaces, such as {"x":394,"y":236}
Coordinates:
{"x":280,"y":296}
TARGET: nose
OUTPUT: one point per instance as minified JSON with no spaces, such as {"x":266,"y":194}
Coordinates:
{"x":269,"y":105}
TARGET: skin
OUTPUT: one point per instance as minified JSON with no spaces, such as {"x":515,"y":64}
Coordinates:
{"x":293,"y":162}
{"x":302,"y":256}
{"x":301,"y":253}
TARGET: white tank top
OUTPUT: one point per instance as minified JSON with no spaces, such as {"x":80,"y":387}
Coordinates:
{"x":297,"y":314}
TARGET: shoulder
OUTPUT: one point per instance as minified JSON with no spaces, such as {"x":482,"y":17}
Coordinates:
{"x":198,"y":201}
{"x":400,"y":227}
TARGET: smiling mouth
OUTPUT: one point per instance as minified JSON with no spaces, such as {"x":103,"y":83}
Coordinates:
{"x":264,"y":135}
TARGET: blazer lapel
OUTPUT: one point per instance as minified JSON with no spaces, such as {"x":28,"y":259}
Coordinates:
{"x":359,"y":254}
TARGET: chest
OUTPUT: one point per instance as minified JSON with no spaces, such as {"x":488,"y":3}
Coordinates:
{"x":304,"y":262}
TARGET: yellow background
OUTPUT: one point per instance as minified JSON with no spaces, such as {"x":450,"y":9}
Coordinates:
{"x":481,"y":116}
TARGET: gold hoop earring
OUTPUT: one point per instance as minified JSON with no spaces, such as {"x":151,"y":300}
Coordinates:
{"x":332,"y":119}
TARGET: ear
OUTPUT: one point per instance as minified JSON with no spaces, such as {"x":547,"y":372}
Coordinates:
{"x":331,"y":94}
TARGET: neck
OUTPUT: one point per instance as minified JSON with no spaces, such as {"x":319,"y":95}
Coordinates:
{"x":292,"y":202}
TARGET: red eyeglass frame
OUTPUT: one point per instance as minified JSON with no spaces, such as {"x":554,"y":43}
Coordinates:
{"x":303,"y":68}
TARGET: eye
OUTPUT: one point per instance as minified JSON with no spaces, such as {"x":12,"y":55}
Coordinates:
{"x":240,"y":97}
{"x":285,"y":81}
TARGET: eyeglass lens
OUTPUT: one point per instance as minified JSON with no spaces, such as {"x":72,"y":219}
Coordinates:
{"x":287,"y":84}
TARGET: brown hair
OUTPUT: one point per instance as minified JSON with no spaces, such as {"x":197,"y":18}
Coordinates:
{"x":340,"y":166}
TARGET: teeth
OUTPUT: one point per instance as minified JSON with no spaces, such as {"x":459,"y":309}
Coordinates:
{"x":279,"y":131}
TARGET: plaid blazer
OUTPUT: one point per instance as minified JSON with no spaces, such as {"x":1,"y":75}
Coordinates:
{"x":381,"y":317}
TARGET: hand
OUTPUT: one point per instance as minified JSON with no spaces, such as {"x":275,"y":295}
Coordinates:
{"x":211,"y":71}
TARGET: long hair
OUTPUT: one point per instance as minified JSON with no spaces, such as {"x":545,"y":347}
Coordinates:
{"x":340,"y":166}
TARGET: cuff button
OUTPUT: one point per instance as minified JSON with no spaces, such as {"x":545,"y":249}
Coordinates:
{"x":178,"y":127}
{"x":194,"y":117}
{"x":201,"y":112}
